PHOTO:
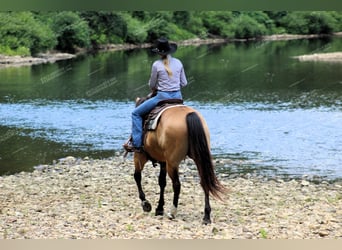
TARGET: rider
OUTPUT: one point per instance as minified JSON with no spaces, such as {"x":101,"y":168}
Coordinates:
{"x":167,"y":78}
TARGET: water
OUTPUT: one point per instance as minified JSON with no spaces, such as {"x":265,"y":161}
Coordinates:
{"x":267,"y":112}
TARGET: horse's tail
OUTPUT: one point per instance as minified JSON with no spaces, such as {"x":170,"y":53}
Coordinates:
{"x":200,"y":153}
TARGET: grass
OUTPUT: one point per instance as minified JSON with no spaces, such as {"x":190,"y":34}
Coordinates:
{"x":129,"y":227}
{"x":263,"y":233}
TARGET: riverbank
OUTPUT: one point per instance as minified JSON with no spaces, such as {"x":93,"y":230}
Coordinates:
{"x":86,"y":199}
{"x":322,"y":57}
{"x":51,"y":57}
{"x":17,"y":61}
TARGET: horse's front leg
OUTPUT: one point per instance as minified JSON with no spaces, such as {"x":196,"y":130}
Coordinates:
{"x":162,"y":185}
{"x":139,"y":163}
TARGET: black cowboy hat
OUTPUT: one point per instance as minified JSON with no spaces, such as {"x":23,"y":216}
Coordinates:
{"x":163,"y":47}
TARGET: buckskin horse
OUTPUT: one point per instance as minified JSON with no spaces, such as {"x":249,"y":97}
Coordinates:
{"x":181,"y":132}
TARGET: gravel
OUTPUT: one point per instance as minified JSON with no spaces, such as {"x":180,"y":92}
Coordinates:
{"x":93,"y":199}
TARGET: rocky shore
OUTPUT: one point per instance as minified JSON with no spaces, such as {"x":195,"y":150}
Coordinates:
{"x":323,"y":57}
{"x":17,"y":61}
{"x":87,"y":199}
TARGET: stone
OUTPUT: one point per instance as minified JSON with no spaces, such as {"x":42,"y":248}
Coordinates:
{"x":305,"y":183}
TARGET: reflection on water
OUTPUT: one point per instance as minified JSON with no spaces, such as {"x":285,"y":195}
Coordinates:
{"x":266,"y":111}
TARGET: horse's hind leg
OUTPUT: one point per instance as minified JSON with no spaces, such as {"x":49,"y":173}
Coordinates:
{"x":207,"y":209}
{"x":173,"y":173}
{"x":139,"y":165}
{"x":162,"y":185}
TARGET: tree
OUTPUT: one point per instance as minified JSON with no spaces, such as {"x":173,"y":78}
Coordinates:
{"x":181,"y":18}
{"x":247,"y":27}
{"x":320,"y":22}
{"x":105,"y":27}
{"x":217,"y":23}
{"x":136,"y":30}
{"x":71,"y":31}
{"x":304,"y":22}
{"x":21,"y":33}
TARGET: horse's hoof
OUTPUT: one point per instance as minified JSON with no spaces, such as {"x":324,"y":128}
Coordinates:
{"x":159,"y":212}
{"x":172,"y":213}
{"x":170,"y":216}
{"x":146,"y":206}
{"x":206,"y":221}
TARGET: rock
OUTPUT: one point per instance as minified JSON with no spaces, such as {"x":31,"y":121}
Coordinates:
{"x":41,"y":167}
{"x":67,"y":160}
{"x":305,"y":183}
{"x":214,"y":230}
{"x":323,"y":233}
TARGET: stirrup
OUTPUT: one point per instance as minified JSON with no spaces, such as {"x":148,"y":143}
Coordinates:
{"x":130,"y":148}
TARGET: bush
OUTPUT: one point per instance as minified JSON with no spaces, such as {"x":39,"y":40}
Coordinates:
{"x":71,"y":31}
{"x":195,"y":25}
{"x":105,"y":26}
{"x":20,"y":51}
{"x":20,"y":32}
{"x":217,"y":22}
{"x":181,"y":18}
{"x":262,"y":18}
{"x":320,"y":23}
{"x":246,"y":27}
{"x":337,"y":15}
{"x":158,"y":25}
{"x":177,"y":33}
{"x":295,"y":23}
{"x":136,"y":30}
{"x":302,"y":22}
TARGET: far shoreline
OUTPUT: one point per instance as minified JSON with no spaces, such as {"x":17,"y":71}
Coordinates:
{"x":53,"y":56}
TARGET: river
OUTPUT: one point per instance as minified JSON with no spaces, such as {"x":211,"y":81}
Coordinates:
{"x":267,"y":112}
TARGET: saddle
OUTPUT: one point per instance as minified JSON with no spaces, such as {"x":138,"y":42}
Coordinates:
{"x":151,"y":120}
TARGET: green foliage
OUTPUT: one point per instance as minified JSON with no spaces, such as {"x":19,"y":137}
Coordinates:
{"x":246,"y":27}
{"x":195,"y":25}
{"x":25,"y":32}
{"x":105,"y":27}
{"x":263,"y":19}
{"x":181,"y":18}
{"x":217,"y":22}
{"x":71,"y":31}
{"x":304,"y":22}
{"x":177,"y":33}
{"x":19,"y":51}
{"x":320,"y":22}
{"x":295,"y":23}
{"x":136,"y":30}
{"x":159,"y":25}
{"x":337,"y":16}
{"x":21,"y":33}
{"x":263,"y":233}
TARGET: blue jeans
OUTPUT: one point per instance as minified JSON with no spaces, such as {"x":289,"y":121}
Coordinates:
{"x":143,"y":109}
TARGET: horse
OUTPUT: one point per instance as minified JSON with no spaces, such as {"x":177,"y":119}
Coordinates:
{"x":181,"y":132}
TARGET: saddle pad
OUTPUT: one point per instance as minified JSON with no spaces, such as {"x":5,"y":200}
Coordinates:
{"x":152,"y":124}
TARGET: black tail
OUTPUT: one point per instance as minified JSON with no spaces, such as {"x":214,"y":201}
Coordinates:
{"x":200,"y":153}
